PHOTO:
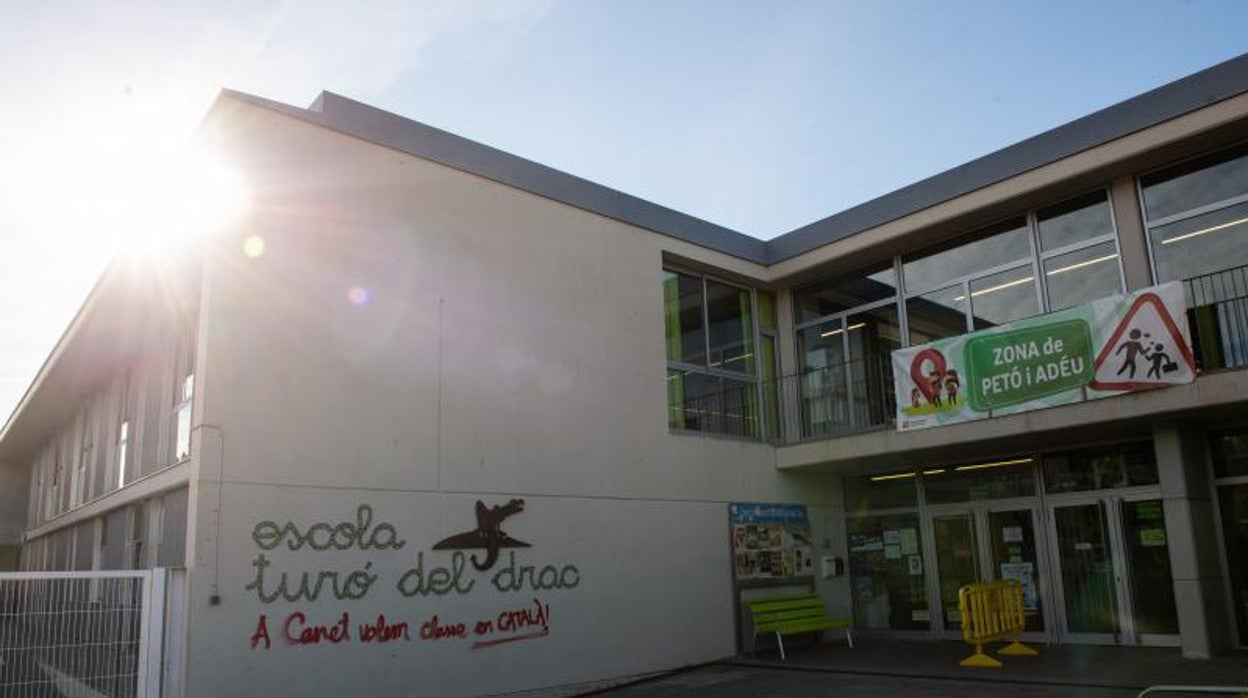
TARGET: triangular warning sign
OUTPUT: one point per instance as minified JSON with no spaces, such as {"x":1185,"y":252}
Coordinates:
{"x":1146,"y":350}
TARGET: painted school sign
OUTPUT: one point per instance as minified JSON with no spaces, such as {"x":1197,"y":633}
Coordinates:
{"x":1107,"y":347}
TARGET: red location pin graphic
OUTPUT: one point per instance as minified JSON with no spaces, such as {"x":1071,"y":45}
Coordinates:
{"x":921,"y":380}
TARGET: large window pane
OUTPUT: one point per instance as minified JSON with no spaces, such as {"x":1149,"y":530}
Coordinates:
{"x":1002,"y":297}
{"x":1001,"y":245}
{"x":821,"y":346}
{"x":1229,"y":450}
{"x":888,"y":491}
{"x":731,"y":328}
{"x":682,"y":315}
{"x":872,"y":337}
{"x":1207,"y":243}
{"x":936,"y":315}
{"x":1083,"y":275}
{"x":1148,"y":558}
{"x":886,"y":572}
{"x":1009,"y":477}
{"x":823,"y":385}
{"x":1100,"y":467}
{"x":1196,"y":183}
{"x":844,"y":293}
{"x":1233,"y":504}
{"x":1074,"y":221}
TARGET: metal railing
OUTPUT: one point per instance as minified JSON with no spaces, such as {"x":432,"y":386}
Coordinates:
{"x":1218,"y":317}
{"x":848,"y":398}
{"x":839,"y":400}
{"x":82,"y":633}
{"x":732,"y":412}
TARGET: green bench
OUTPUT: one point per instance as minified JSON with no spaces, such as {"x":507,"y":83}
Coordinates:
{"x":793,"y":614}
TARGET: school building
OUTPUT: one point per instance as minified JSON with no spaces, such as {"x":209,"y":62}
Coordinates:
{"x":433,"y":417}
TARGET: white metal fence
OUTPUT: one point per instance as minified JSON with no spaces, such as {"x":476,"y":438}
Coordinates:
{"x":90,"y":634}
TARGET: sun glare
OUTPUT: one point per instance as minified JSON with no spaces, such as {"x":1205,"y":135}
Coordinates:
{"x":146,"y":205}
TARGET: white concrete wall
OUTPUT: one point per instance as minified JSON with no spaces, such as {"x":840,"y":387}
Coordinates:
{"x":509,"y":347}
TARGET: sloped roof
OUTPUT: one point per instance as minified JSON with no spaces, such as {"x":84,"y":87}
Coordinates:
{"x":1182,"y":96}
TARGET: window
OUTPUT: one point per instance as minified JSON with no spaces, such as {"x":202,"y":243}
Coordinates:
{"x":1100,"y":467}
{"x":124,"y":454}
{"x":712,"y":365}
{"x":991,"y":277}
{"x":1228,"y":449}
{"x":184,"y":396}
{"x":85,"y":451}
{"x":1196,"y":213}
{"x":847,"y":328}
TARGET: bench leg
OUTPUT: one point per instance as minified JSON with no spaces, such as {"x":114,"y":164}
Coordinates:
{"x":780,"y":641}
{"x":849,"y":637}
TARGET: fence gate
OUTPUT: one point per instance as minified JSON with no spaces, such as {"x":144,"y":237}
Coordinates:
{"x":90,"y":634}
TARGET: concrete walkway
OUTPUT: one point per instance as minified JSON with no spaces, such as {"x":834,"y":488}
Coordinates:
{"x":931,"y":668}
{"x":1084,"y":665}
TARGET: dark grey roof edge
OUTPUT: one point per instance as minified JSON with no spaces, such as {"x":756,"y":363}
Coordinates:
{"x":393,"y":131}
{"x":1187,"y":94}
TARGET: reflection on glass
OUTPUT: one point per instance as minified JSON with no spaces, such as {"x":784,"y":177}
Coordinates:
{"x":702,"y":402}
{"x":888,"y":491}
{"x":957,"y":562}
{"x":999,"y":245}
{"x":1233,"y":503}
{"x":1014,"y":557}
{"x":1229,"y":449}
{"x":1002,"y":297}
{"x":1013,"y":477}
{"x":1196,"y":183}
{"x":1087,"y":572}
{"x":1073,"y":221}
{"x":886,"y":578}
{"x":823,"y":383}
{"x":1202,"y":244}
{"x":1100,"y":467}
{"x":936,"y":315}
{"x":682,"y":314}
{"x":731,"y":328}
{"x":1083,"y":275}
{"x":1148,"y":559}
{"x":872,"y":336}
{"x":845,"y":292}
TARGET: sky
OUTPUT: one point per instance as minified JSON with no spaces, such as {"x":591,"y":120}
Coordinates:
{"x":759,"y":116}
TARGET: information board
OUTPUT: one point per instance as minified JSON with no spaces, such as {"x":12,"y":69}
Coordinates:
{"x":770,"y":541}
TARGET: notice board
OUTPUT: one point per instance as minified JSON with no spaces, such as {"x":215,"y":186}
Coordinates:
{"x":770,"y":541}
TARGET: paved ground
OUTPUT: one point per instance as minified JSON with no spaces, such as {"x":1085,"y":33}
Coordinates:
{"x":768,"y":682}
{"x":878,"y":667}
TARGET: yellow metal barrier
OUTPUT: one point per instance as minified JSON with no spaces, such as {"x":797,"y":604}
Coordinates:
{"x":992,"y":612}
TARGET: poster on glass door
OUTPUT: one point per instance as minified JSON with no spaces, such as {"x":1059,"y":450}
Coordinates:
{"x":1108,"y":347}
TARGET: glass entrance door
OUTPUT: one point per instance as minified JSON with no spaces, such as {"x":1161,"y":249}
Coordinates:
{"x":987,"y":543}
{"x":1087,"y":585}
{"x":1113,"y":571}
{"x":957,"y":561}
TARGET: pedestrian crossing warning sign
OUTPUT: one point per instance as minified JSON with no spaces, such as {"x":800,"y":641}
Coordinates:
{"x":1147,"y":349}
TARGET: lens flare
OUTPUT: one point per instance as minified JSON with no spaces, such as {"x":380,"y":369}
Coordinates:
{"x":253,"y":246}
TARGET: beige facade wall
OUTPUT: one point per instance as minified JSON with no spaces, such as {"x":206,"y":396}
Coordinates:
{"x":414,"y":340}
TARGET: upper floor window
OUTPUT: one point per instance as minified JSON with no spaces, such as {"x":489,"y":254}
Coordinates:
{"x":184,"y":396}
{"x":1043,"y":261}
{"x":1196,"y":213}
{"x":124,"y":419}
{"x":712,"y":364}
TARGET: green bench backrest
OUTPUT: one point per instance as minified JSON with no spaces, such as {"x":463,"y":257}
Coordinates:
{"x":769,"y":609}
